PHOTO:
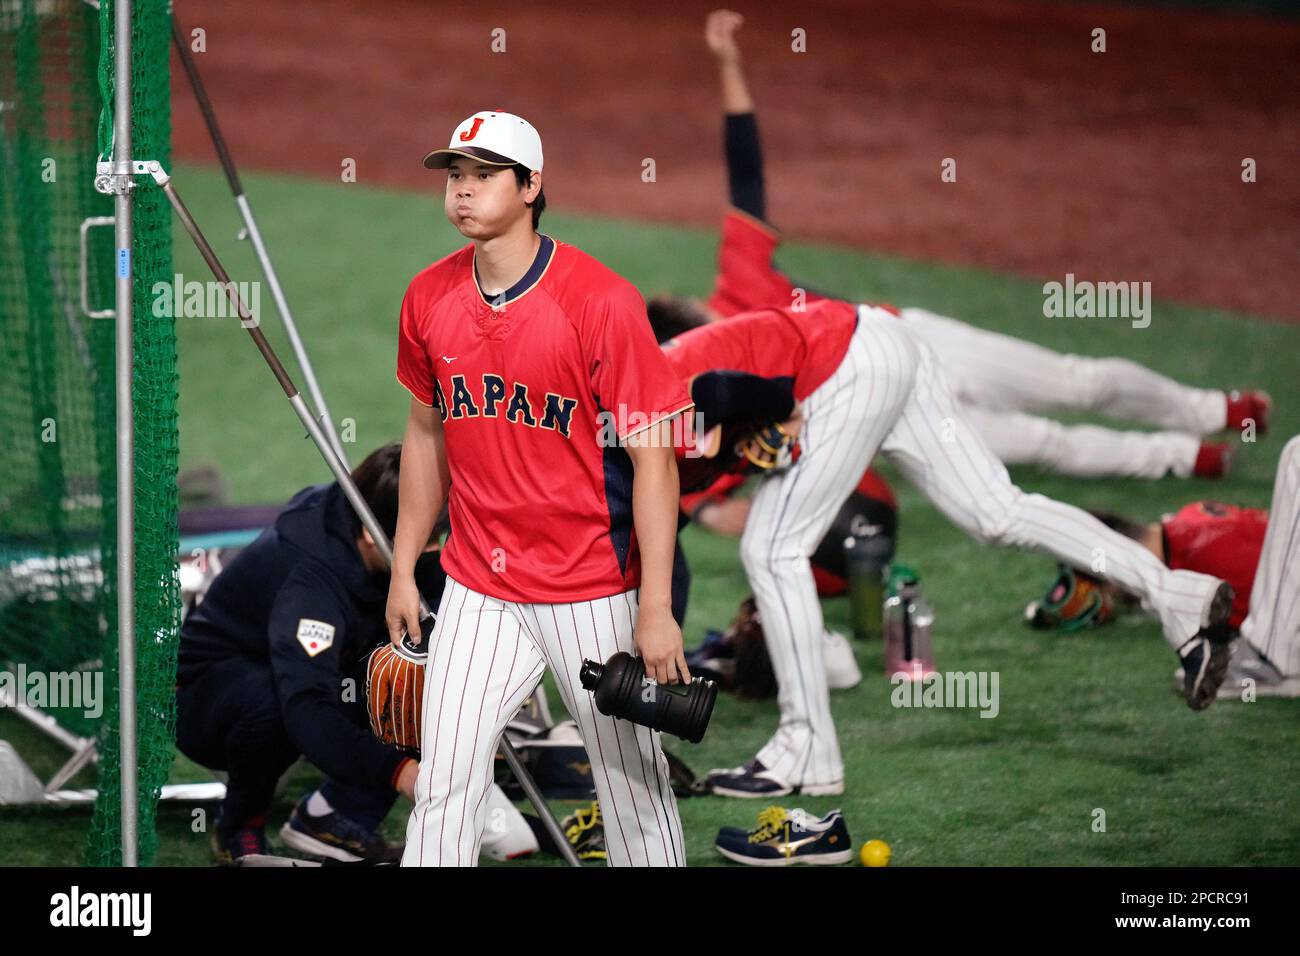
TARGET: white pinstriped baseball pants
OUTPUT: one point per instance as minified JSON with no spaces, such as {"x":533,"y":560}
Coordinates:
{"x":1003,"y":373}
{"x":889,"y":394}
{"x":486,"y":656}
{"x":1083,"y":451}
{"x":1273,"y":624}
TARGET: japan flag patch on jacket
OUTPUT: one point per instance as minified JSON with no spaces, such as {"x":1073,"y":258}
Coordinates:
{"x":315,"y":636}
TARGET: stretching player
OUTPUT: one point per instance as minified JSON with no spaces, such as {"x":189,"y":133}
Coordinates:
{"x":1258,"y":553}
{"x":862,"y":384}
{"x":516,"y":350}
{"x":997,"y":378}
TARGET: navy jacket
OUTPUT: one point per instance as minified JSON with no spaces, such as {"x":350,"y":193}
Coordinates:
{"x":300,"y":600}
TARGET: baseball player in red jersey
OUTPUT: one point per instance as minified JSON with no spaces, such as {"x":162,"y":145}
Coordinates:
{"x":861,"y":384}
{"x":521,"y":354}
{"x":999,"y":379}
{"x":1258,"y":553}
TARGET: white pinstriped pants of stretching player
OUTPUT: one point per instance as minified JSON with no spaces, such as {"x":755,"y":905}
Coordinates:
{"x":1002,"y":373}
{"x":486,"y":656}
{"x":1273,"y":624}
{"x":889,"y":394}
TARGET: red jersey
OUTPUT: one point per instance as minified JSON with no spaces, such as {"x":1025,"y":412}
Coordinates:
{"x":805,"y":347}
{"x":1222,"y":540}
{"x":530,"y":393}
{"x":748,"y":279}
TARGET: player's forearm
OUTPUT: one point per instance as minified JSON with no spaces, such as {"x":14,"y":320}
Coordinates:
{"x":422,"y":488}
{"x":655,"y":491}
{"x":735,"y":91}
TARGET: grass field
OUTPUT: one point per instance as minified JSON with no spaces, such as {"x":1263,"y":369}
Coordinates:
{"x":1085,"y":723}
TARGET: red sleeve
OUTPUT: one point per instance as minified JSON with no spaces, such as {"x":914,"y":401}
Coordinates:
{"x":629,"y":374}
{"x":414,"y":370}
{"x":747,"y":279}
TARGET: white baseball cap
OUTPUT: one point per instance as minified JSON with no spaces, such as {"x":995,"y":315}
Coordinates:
{"x":493,"y":137}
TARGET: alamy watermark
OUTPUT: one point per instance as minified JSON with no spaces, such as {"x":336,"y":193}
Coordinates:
{"x":192,"y":299}
{"x":680,"y":431}
{"x":953,"y":689}
{"x":1100,"y":300}
{"x":71,"y":690}
{"x":74,"y":909}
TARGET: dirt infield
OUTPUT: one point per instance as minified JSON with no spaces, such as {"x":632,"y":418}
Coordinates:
{"x":1122,"y":165}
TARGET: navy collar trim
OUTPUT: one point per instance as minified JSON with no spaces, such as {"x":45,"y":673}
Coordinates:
{"x":545,"y":251}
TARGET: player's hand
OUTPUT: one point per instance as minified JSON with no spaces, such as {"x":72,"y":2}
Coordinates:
{"x":726,"y":517}
{"x":659,"y":642}
{"x":720,"y":34}
{"x":794,"y":423}
{"x":402,"y":615}
{"x":406,"y":779}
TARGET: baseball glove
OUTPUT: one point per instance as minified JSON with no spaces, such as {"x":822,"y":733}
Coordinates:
{"x":394,"y":696}
{"x":770,"y":449}
{"x":1074,"y":601}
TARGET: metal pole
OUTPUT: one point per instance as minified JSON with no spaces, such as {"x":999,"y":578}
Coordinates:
{"x":344,"y":478}
{"x":255,"y":236}
{"x":125,"y":433}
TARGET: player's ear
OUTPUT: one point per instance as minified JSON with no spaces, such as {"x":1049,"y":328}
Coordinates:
{"x":533,"y":187}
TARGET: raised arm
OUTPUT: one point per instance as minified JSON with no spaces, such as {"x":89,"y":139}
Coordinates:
{"x":739,"y":126}
{"x":720,"y":34}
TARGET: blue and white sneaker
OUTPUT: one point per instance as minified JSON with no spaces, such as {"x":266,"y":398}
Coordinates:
{"x":753,"y":781}
{"x":785,"y":837}
{"x":332,"y":836}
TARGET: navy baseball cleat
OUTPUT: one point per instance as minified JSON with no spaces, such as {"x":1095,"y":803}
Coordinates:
{"x":248,"y":840}
{"x":1205,"y":656}
{"x":753,"y":781}
{"x":332,"y":836}
{"x":1205,"y":664}
{"x":786,"y":837}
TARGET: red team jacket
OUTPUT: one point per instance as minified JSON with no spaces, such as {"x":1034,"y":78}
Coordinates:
{"x":540,"y":499}
{"x":747,"y":277}
{"x":776,"y":343}
{"x":1221,"y":540}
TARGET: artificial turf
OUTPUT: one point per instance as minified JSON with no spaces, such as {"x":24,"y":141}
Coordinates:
{"x":1085,"y":723}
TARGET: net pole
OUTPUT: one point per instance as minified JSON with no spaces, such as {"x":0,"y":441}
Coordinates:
{"x":125,"y":292}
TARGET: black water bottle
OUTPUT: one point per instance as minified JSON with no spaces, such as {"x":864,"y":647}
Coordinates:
{"x":622,"y":690}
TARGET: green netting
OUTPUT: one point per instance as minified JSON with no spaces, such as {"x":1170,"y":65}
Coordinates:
{"x":157,"y":592}
{"x":57,"y":405}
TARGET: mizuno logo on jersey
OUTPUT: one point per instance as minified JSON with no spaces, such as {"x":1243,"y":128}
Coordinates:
{"x":490,"y":398}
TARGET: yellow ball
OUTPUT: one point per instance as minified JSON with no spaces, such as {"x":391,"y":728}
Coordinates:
{"x":875,"y":853}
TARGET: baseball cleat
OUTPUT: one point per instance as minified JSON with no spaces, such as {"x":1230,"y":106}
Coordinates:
{"x":585,"y":831}
{"x":1214,"y":459}
{"x":506,"y":835}
{"x":1214,"y":625}
{"x":1248,"y":668}
{"x":1205,"y":664}
{"x":332,"y":836}
{"x":786,"y":837}
{"x":1250,"y":405}
{"x":248,"y":841}
{"x":753,"y":781}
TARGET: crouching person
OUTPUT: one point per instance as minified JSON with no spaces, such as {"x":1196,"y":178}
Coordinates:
{"x":272,"y":666}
